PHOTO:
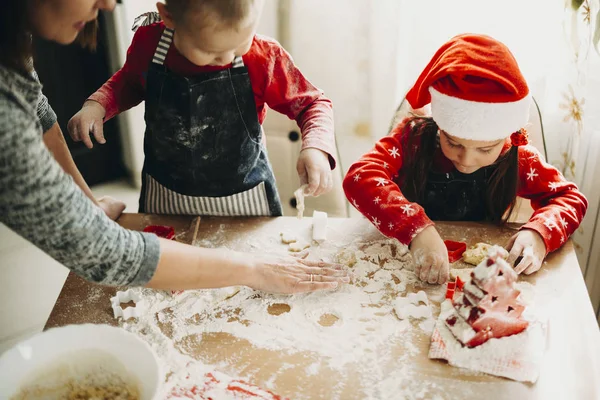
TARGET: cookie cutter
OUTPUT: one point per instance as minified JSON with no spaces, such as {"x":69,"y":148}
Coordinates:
{"x":319,"y":226}
{"x":163,"y":231}
{"x":126,"y":297}
{"x":458,"y":284}
{"x":455,"y":250}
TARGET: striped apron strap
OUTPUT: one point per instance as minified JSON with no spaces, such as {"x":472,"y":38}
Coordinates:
{"x":160,"y":54}
{"x":237,"y":62}
{"x":145,"y":19}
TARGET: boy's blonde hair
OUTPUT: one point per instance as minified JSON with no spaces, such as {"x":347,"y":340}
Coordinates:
{"x":231,"y":12}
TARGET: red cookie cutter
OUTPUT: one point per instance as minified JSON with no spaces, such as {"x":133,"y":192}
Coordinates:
{"x":453,"y":286}
{"x":455,"y":250}
{"x":167,"y":232}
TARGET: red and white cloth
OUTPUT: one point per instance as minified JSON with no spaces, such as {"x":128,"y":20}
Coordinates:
{"x":276,"y":81}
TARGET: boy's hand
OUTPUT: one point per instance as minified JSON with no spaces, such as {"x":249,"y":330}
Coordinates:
{"x":314,"y":169}
{"x":113,"y":208}
{"x":430,"y":256}
{"x":89,"y":119}
{"x":529,"y":245}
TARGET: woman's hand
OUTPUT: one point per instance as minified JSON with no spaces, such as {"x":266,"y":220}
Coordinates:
{"x":430,"y":256}
{"x":529,"y":245}
{"x":290,"y":274}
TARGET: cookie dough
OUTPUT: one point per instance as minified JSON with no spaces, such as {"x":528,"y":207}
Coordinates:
{"x":299,"y":195}
{"x":287,"y":238}
{"x":476,"y":254}
{"x":298,"y":246}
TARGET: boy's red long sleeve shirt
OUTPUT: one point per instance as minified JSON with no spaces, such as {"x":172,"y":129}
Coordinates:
{"x":370,"y":185}
{"x":276,"y":82}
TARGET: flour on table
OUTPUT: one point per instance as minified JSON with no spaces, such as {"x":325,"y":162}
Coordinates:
{"x":353,"y":326}
{"x":413,"y":305}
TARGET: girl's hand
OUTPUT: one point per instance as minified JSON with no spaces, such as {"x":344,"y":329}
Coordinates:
{"x":314,"y":169}
{"x":431,"y":256}
{"x":290,"y":274}
{"x":529,"y":245}
{"x":89,"y":119}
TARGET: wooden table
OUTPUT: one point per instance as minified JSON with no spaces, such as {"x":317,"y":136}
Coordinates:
{"x":571,"y":367}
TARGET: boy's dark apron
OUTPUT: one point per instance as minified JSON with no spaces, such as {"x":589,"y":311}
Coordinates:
{"x":455,"y":196}
{"x":204,"y":154}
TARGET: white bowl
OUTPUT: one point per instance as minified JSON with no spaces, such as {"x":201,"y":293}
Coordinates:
{"x":27,"y":358}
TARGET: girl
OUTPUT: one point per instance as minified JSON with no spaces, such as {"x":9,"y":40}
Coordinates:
{"x":467,"y":162}
{"x":40,"y":202}
{"x":207,"y":79}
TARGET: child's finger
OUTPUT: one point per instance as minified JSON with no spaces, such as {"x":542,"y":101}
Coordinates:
{"x":515,"y":252}
{"x":425,"y":268}
{"x":314,"y":180}
{"x":434,"y":272}
{"x":322,"y":185}
{"x":525,"y":263}
{"x":534,"y":267}
{"x":97,"y":129}
{"x":74,"y":132}
{"x":301,"y":169}
{"x":72,"y":129}
{"x":444,"y":274}
{"x":84,"y":135}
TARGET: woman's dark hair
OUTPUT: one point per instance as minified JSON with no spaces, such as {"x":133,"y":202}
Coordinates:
{"x":88,"y":37}
{"x":15,"y":40}
{"x":420,"y":143}
{"x":15,"y":35}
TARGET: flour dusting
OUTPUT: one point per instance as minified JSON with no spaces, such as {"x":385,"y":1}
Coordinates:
{"x":352,"y":331}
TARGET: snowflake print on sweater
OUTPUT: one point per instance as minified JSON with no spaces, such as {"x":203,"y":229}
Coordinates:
{"x":558,"y":205}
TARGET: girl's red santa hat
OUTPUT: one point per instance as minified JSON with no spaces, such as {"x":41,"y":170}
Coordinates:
{"x":475,"y":88}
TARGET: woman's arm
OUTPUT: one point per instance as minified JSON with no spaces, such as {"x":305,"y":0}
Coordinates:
{"x":55,"y":142}
{"x":187,"y":267}
{"x":40,"y":202}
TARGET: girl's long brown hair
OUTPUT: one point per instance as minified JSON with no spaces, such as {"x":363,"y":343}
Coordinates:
{"x":420,"y":143}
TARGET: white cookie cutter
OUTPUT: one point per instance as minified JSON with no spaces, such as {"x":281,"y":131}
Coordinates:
{"x":319,"y":226}
{"x":126,"y":297}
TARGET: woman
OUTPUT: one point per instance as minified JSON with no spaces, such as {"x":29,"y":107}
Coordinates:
{"x":39,"y":201}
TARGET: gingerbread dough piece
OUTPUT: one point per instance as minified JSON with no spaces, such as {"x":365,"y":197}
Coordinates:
{"x":299,"y":195}
{"x":287,"y":238}
{"x":476,"y":254}
{"x":298,"y":246}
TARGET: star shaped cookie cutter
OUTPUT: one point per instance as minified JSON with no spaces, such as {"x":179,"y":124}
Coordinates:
{"x":126,"y":297}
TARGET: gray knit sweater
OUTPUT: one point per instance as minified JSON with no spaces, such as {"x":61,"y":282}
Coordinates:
{"x":40,"y":202}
